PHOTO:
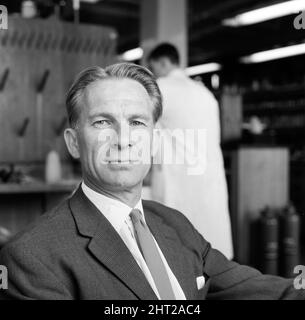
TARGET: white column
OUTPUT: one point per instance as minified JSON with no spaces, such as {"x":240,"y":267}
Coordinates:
{"x":164,"y":21}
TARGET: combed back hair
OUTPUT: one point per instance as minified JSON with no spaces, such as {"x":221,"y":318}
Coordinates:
{"x":165,"y":50}
{"x":131,"y":71}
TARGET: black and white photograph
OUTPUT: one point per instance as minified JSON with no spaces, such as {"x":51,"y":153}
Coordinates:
{"x":152,"y":150}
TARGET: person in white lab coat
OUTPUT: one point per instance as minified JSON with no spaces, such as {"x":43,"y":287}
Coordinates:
{"x":203,"y":197}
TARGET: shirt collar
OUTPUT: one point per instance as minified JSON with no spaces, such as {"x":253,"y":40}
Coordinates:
{"x":114,"y":210}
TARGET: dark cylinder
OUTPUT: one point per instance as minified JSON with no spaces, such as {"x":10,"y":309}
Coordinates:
{"x":269,"y":231}
{"x":289,"y":241}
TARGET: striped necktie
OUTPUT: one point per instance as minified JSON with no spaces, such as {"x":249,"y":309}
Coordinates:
{"x":152,"y":256}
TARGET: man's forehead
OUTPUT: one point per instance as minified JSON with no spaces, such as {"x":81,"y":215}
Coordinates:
{"x":116,"y":96}
{"x":116,"y":89}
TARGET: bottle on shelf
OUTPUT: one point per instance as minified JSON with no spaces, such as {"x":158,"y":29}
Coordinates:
{"x":289,"y":241}
{"x":269,"y":232}
{"x":53,"y":170}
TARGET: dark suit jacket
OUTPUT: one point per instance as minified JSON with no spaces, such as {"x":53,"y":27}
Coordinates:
{"x":73,"y":252}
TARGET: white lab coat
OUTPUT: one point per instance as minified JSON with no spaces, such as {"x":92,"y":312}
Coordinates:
{"x":202,"y":198}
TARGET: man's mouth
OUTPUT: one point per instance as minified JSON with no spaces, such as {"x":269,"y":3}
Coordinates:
{"x":122,"y":161}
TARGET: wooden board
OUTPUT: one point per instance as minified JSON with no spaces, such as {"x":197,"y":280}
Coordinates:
{"x":29,"y":49}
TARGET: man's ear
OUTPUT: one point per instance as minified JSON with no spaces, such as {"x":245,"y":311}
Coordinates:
{"x":72,"y":142}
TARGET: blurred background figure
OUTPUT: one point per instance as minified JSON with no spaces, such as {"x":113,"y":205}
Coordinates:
{"x":188,"y":104}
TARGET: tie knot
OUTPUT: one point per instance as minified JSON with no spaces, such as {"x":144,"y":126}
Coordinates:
{"x":136,"y":216}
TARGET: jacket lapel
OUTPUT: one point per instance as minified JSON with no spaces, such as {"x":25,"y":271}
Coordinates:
{"x":108,"y":247}
{"x":171,"y":249}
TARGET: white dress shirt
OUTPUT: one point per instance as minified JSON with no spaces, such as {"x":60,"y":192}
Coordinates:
{"x":117,"y":213}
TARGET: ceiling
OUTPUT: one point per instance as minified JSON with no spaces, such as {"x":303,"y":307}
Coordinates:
{"x":208,"y":39}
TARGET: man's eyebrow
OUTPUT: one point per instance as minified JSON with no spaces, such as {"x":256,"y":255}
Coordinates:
{"x":107,"y":115}
{"x":139,"y":116}
{"x":111,"y":116}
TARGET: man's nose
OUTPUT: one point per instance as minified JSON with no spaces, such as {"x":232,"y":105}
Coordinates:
{"x":123,"y":136}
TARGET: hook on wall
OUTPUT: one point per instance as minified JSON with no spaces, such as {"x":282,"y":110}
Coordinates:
{"x":22,"y":129}
{"x":58,"y":129}
{"x":43,"y":81}
{"x":4,"y":78}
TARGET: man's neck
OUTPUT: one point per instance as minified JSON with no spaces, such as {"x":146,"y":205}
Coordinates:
{"x":171,"y":69}
{"x":129,"y":196}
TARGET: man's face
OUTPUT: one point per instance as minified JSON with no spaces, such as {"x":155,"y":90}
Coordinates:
{"x":114,"y":133}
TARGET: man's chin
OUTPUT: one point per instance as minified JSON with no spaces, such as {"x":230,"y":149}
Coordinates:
{"x":123,"y":185}
{"x":124,"y":179}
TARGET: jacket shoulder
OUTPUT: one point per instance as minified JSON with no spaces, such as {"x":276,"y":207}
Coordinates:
{"x":46,"y":231}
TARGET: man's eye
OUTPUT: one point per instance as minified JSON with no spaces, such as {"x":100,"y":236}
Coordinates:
{"x":137,"y":123}
{"x":101,"y":123}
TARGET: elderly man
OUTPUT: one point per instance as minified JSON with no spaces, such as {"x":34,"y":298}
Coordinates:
{"x":105,"y":242}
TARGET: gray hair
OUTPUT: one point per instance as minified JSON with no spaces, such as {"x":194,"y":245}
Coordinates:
{"x":116,"y":71}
